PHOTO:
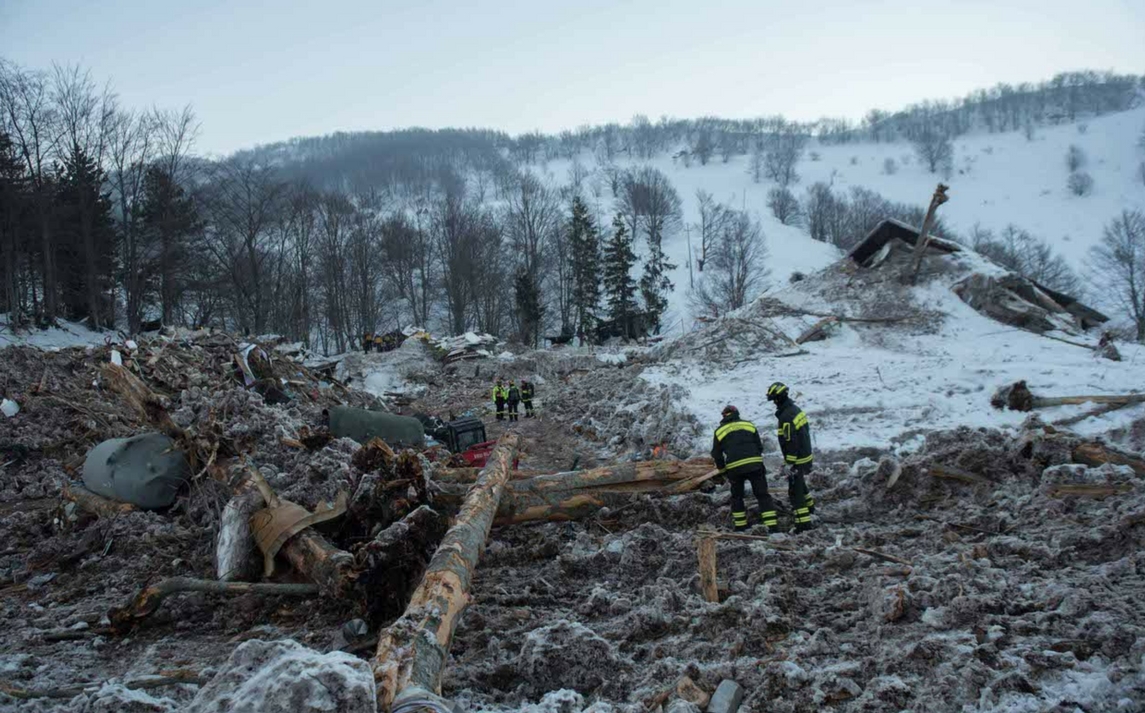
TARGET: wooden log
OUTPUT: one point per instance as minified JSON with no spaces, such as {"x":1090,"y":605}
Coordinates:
{"x":147,"y":601}
{"x":470,"y":475}
{"x":883,"y":556}
{"x":658,"y":470}
{"x":1095,"y":455}
{"x":923,"y":241}
{"x":1085,"y":490}
{"x":1018,"y":397}
{"x":95,"y":504}
{"x":411,"y":653}
{"x":816,"y":331}
{"x":140,"y":684}
{"x":144,"y":402}
{"x":946,"y":472}
{"x":706,"y":553}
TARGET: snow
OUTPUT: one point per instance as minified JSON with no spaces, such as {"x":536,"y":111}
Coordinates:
{"x":997,"y":179}
{"x":866,"y":387}
{"x":9,"y":408}
{"x":67,"y":334}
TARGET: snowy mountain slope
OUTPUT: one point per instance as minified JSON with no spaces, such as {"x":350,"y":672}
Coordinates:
{"x":881,"y":385}
{"x":997,"y":179}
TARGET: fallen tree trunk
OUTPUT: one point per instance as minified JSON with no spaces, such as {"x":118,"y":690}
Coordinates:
{"x":646,"y":470}
{"x":946,"y":472}
{"x":147,"y":601}
{"x":98,"y":505}
{"x":412,"y":652}
{"x":1018,"y":397}
{"x":1095,"y":455}
{"x":571,"y":496}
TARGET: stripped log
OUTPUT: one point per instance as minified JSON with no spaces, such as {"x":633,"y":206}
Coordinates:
{"x":95,"y":504}
{"x":706,"y":553}
{"x":1018,"y":397}
{"x":470,"y":475}
{"x":659,"y":470}
{"x":412,"y":652}
{"x":561,"y":497}
{"x":1088,"y":490}
{"x":147,"y":601}
{"x":1095,"y":455}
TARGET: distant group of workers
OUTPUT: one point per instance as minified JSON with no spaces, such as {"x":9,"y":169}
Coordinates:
{"x":507,"y":399}
{"x":738,"y":453}
{"x":381,"y":342}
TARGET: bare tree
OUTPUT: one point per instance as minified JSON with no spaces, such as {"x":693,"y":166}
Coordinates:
{"x":34,"y":126}
{"x":755,"y":165}
{"x":1027,"y":255}
{"x":714,"y":216}
{"x":1119,"y":262}
{"x":784,"y":206}
{"x":934,"y":148}
{"x":244,"y":200}
{"x":738,"y":267}
{"x":784,"y":148}
{"x":1080,"y":183}
{"x":1075,"y":158}
{"x":131,"y":149}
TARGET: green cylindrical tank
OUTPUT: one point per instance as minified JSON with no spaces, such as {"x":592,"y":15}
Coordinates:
{"x":146,"y":470}
{"x":362,"y":425}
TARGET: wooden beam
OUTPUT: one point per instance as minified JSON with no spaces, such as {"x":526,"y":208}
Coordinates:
{"x":411,"y":653}
{"x":923,"y":241}
{"x":95,"y":504}
{"x":706,"y":552}
{"x":147,"y":601}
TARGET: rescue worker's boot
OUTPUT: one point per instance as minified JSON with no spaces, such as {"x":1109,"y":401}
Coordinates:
{"x":739,"y":520}
{"x":768,"y":522}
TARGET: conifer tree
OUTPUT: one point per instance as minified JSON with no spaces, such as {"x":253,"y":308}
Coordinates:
{"x":619,"y":287}
{"x":530,"y":311}
{"x":585,"y":244}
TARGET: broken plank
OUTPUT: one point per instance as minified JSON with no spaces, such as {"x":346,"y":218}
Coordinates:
{"x":147,"y":601}
{"x":706,"y":553}
{"x":946,"y":472}
{"x":95,"y":504}
{"x":1096,"y":454}
{"x":1088,"y":491}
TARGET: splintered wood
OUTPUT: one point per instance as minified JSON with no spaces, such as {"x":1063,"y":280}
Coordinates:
{"x":706,"y":550}
{"x":412,"y":652}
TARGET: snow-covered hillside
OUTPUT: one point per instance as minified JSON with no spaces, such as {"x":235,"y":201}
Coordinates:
{"x":997,"y":179}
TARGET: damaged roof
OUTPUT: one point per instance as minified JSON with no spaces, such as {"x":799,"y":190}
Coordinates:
{"x":887,"y":231}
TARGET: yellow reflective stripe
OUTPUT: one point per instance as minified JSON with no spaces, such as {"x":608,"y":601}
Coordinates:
{"x":799,"y":421}
{"x":784,"y":431}
{"x":791,"y":459}
{"x":801,"y":461}
{"x":744,"y":461}
{"x":773,"y":391}
{"x":734,"y":426}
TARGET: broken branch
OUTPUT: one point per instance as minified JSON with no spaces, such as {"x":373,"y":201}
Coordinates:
{"x":147,"y":601}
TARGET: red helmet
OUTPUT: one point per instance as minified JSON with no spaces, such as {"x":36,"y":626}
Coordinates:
{"x":730,"y":410}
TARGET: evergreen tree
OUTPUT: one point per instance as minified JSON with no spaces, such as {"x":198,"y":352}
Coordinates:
{"x":170,"y":219}
{"x":530,"y":311}
{"x":619,"y":287}
{"x":85,"y":253}
{"x":585,"y":245}
{"x":655,"y":283}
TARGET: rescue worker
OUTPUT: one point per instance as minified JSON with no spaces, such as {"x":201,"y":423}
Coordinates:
{"x":795,"y":441}
{"x":367,"y":341}
{"x":527,"y":391}
{"x":513,"y":398}
{"x":378,"y":343}
{"x":738,"y":453}
{"x":500,"y":393}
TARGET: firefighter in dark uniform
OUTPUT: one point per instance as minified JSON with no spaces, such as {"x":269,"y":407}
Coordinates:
{"x":378,"y":342}
{"x":500,"y":393}
{"x":367,"y":342}
{"x":795,"y":441}
{"x":527,"y":391}
{"x":513,"y":398}
{"x":738,"y":453}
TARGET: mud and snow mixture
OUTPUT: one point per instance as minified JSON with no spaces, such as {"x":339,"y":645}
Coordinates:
{"x":953,"y":567}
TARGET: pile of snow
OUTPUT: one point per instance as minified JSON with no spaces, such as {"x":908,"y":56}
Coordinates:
{"x":872,"y":384}
{"x":401,"y":371}
{"x":263,"y":676}
{"x":67,"y":334}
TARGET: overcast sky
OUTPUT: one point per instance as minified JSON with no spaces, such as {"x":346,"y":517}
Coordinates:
{"x":258,"y":72}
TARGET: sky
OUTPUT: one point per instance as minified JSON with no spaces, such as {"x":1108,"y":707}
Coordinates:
{"x":259,"y":72}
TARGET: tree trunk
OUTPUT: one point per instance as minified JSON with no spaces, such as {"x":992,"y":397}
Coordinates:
{"x":1095,"y":454}
{"x":575,"y":495}
{"x":411,"y":653}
